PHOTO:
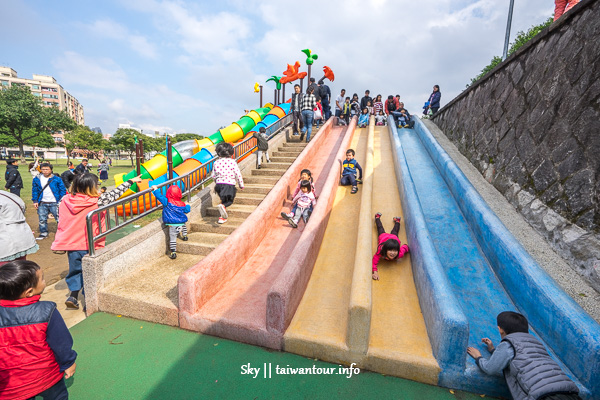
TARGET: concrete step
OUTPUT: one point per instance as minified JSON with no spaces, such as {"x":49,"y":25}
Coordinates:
{"x":286,"y":154}
{"x":150,"y":293}
{"x":252,"y":199}
{"x":283,"y":159}
{"x":234,"y":211}
{"x":210,"y":225}
{"x":261,"y":180}
{"x":201,"y":243}
{"x":268,"y":172}
{"x":257,"y":188}
{"x":294,"y":144}
{"x":275,"y":165}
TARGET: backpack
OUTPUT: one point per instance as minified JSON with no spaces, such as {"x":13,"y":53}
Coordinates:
{"x":391,"y":105}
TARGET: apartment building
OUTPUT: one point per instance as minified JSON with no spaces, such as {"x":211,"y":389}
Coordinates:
{"x":51,"y":93}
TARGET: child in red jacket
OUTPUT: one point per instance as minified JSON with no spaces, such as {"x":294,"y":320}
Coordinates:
{"x":388,"y":244}
{"x":36,"y":353}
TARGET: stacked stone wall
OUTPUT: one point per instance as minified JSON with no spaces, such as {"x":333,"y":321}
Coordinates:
{"x":532,"y":128}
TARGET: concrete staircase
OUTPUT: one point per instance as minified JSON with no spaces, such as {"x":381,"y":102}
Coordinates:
{"x":150,"y":293}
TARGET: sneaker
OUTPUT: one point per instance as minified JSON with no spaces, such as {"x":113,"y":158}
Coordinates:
{"x":221,"y":220}
{"x":301,"y":136}
{"x":292,"y":223}
{"x":397,"y":219}
{"x":354,"y":190}
{"x":59,"y":251}
{"x":406,"y":126}
{"x":378,"y":215}
{"x":173,"y":255}
{"x":284,"y":215}
{"x":258,"y":167}
{"x":72,"y":303}
{"x":41,"y":236}
{"x":185,"y":238}
{"x":222,"y":211}
{"x":359,"y":181}
{"x":268,"y":160}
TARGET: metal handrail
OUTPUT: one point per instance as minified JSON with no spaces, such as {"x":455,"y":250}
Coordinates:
{"x":191,"y":181}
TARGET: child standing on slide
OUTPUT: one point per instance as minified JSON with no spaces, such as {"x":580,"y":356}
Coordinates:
{"x":225,"y":173}
{"x":173,"y":215}
{"x":388,"y":244}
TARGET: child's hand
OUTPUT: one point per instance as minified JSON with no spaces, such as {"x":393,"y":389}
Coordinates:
{"x":488,"y":343}
{"x":69,"y":372}
{"x":154,"y":187}
{"x":473,"y":352}
{"x":375,"y":275}
{"x":137,"y":179}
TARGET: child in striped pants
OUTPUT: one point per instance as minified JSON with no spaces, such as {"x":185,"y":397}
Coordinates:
{"x":173,"y":215}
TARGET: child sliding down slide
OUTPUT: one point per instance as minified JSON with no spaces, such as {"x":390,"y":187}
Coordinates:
{"x":388,"y":244}
{"x":304,"y":201}
{"x":305,"y":175}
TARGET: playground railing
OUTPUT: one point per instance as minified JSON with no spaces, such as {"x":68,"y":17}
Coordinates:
{"x":141,"y":201}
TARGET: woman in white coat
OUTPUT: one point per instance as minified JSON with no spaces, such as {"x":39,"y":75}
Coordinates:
{"x":16,"y":238}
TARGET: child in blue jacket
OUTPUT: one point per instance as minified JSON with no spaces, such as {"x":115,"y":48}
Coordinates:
{"x":173,"y":215}
{"x":363,"y":119}
{"x":349,"y":168}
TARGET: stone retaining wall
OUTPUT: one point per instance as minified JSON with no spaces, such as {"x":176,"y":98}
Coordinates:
{"x":532,"y":128}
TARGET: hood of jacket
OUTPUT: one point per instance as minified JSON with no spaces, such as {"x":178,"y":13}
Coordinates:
{"x":77,"y":203}
{"x":174,"y":196}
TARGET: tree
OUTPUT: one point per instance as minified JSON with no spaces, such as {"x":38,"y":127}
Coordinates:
{"x":124,"y":139}
{"x":520,"y":40}
{"x":83,"y":138}
{"x":19,"y":113}
{"x":25,"y":121}
{"x":185,"y":136}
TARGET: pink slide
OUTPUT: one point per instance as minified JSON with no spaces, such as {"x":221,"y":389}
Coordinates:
{"x":248,"y":288}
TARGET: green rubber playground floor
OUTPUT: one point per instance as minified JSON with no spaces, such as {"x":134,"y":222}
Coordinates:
{"x":123,"y":358}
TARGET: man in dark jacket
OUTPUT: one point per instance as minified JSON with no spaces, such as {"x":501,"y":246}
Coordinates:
{"x":365,"y":100}
{"x":83,"y":167}
{"x":14,"y":182}
{"x":68,"y":176}
{"x":325,"y":94}
{"x":296,"y":109}
{"x":315,"y":89}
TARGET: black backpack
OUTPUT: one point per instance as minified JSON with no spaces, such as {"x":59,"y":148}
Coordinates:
{"x":391,"y":105}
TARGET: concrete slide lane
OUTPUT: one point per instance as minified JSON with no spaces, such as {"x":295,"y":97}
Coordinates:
{"x":238,"y":310}
{"x":396,"y":342}
{"x":471,"y":277}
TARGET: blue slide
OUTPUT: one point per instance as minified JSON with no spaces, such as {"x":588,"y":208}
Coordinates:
{"x":469,"y":268}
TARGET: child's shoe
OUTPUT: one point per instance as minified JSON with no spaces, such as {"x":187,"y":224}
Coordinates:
{"x":354,"y":190}
{"x":173,"y":255}
{"x":221,"y":220}
{"x":258,"y":166}
{"x":359,"y":181}
{"x":292,"y":223}
{"x":222,"y":211}
{"x":72,"y":303}
{"x":286,"y":216}
{"x":406,"y":126}
{"x":378,"y":215}
{"x":185,"y":238}
{"x":397,"y":219}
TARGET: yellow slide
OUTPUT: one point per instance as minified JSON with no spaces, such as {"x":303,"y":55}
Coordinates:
{"x":344,"y":317}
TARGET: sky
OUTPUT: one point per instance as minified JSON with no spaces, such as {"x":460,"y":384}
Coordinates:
{"x":190,"y":66}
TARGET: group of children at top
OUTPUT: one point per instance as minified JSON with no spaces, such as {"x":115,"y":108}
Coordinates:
{"x":367,"y":107}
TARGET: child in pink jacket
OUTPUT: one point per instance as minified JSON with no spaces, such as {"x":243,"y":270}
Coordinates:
{"x":388,"y":244}
{"x":71,"y":234}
